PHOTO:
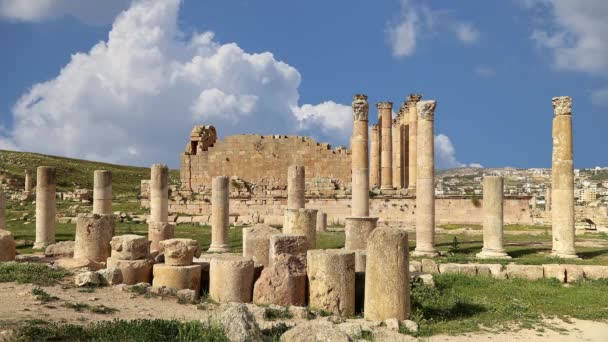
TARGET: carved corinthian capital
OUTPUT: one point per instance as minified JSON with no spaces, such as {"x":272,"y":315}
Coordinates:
{"x":360,"y":107}
{"x":414,"y":98}
{"x":562,"y":105}
{"x":384,"y":105}
{"x":426,"y":110}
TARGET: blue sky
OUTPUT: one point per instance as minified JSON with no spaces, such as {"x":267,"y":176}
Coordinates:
{"x":76,"y":81}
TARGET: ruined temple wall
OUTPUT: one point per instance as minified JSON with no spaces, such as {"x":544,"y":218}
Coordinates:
{"x":263,"y":160}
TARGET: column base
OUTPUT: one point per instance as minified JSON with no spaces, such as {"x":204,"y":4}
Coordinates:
{"x":564,"y":255}
{"x":219,"y":249}
{"x":492,"y":255}
{"x":42,"y":245}
{"x":426,"y":253}
{"x":387,"y":187}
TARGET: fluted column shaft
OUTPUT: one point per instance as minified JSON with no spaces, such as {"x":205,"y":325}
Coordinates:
{"x":360,"y":171}
{"x":397,"y":156}
{"x":385,"y":109}
{"x":412,"y":100}
{"x":220,"y":211}
{"x":374,"y":174}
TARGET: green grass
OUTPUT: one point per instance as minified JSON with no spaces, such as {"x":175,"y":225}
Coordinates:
{"x":271,"y":314}
{"x":121,"y":330}
{"x":43,"y":296}
{"x":38,"y":274}
{"x":98,"y":309}
{"x":461,"y":304}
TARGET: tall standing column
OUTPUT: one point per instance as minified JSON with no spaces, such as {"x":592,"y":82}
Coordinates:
{"x":45,"y":206}
{"x":159,"y":193}
{"x":374,"y":174}
{"x":220,"y":215}
{"x":406,"y":155}
{"x":386,"y":111}
{"x":296,"y":187}
{"x":28,"y":182}
{"x":102,"y":192}
{"x":412,"y":100}
{"x":562,"y":180}
{"x":425,"y":188}
{"x":379,"y":148}
{"x":397,"y":155}
{"x":548,"y":199}
{"x":493,"y":187}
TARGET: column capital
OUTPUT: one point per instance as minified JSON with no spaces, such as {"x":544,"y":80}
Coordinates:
{"x":374,"y":127}
{"x":562,"y":105}
{"x":426,"y":110}
{"x":384,"y":105}
{"x":414,"y":98}
{"x":360,"y":107}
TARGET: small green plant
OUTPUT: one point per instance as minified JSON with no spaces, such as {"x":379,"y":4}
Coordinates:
{"x":42,"y":295}
{"x":271,"y":314}
{"x":38,"y":274}
{"x":138,"y":289}
{"x":98,"y":309}
{"x":455,"y":247}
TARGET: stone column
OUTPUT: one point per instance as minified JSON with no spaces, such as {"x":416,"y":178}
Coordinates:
{"x":406,"y":155}
{"x":374,"y":174}
{"x":331,"y":276}
{"x":493,"y":187}
{"x":220,"y":219}
{"x":93,"y":236}
{"x":45,"y":206}
{"x":360,"y":172}
{"x":425,"y":193}
{"x":2,"y":211}
{"x":379,"y":148}
{"x":302,"y":222}
{"x":8,"y":249}
{"x":28,"y":182}
{"x":159,"y":193}
{"x":102,"y":192}
{"x":321,"y":221}
{"x":231,"y":279}
{"x":397,"y":155}
{"x":387,"y":290}
{"x":548,"y":199}
{"x":412,"y":100}
{"x":386,"y":111}
{"x":562,"y":180}
{"x":296,"y":187}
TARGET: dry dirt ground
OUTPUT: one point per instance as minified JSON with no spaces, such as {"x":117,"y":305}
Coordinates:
{"x":18,"y":304}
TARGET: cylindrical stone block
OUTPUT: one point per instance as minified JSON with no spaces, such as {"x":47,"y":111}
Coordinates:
{"x":220,"y":220}
{"x":8,"y":248}
{"x":256,"y":243}
{"x":177,"y":277}
{"x":231,"y":279}
{"x":385,"y":109}
{"x":159,"y":193}
{"x":360,"y":158}
{"x":28,"y":182}
{"x":130,"y":247}
{"x":45,"y":206}
{"x":562,"y":180}
{"x":2,"y":211}
{"x":397,"y":156}
{"x":548,"y":199}
{"x":302,"y":222}
{"x":321,"y":221}
{"x":102,"y":192}
{"x":296,"y":187}
{"x":133,"y":271}
{"x":425,"y":188}
{"x":387,"y":289}
{"x":405,"y":148}
{"x":179,"y":252}
{"x":413,"y":100}
{"x":159,"y":231}
{"x":493,"y":218}
{"x":374,"y":164}
{"x":93,"y":236}
{"x":331,"y":281}
{"x":357,"y":230}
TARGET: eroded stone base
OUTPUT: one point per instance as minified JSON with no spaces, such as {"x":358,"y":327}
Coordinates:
{"x":178,"y":277}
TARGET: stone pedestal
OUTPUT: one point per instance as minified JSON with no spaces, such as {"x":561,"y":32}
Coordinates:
{"x":179,"y":252}
{"x":562,"y":180}
{"x":130,"y":247}
{"x":387,"y":290}
{"x":159,"y":193}
{"x":102,"y":192}
{"x":360,"y":158}
{"x":231,"y":279}
{"x":302,"y":222}
{"x":133,"y":271}
{"x":220,"y":220}
{"x":7,"y":246}
{"x":178,"y":277}
{"x":357,"y":230}
{"x":45,"y":206}
{"x":283,"y":283}
{"x":413,"y":100}
{"x":27,"y":191}
{"x":256,"y":243}
{"x":385,"y":110}
{"x":93,"y":235}
{"x":374,"y":166}
{"x":493,"y":188}
{"x":425,"y":188}
{"x":159,"y":231}
{"x":321,"y":222}
{"x":295,"y":245}
{"x":331,"y":279}
{"x":296,"y":187}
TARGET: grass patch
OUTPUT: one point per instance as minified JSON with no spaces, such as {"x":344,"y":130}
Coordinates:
{"x":42,"y":295}
{"x":121,"y":330}
{"x":98,"y":309}
{"x":271,"y":314}
{"x":37,"y":274}
{"x":461,"y":304}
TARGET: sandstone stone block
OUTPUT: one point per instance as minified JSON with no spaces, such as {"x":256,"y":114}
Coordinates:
{"x":315,"y":331}
{"x":8,"y":249}
{"x":415,"y":266}
{"x":574,"y":273}
{"x":79,"y":264}
{"x":133,"y":271}
{"x":179,"y":252}
{"x":93,"y":235}
{"x":61,"y":248}
{"x":468,"y":269}
{"x":283,"y":283}
{"x":595,"y":272}
{"x":88,"y":278}
{"x":555,"y":271}
{"x":331,"y":276}
{"x":357,"y":230}
{"x":177,"y":277}
{"x":256,"y":243}
{"x":449,"y":268}
{"x":302,"y":222}
{"x":130,"y":247}
{"x":296,"y":245}
{"x":231,"y":279}
{"x":111,"y":276}
{"x":159,"y":231}
{"x":530,"y":272}
{"x":429,"y":266}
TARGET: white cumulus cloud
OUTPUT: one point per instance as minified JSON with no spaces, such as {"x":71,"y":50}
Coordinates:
{"x":88,"y":11}
{"x":445,"y":154}
{"x":466,"y":32}
{"x":134,"y":98}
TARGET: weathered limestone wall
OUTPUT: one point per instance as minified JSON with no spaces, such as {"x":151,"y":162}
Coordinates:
{"x":263,"y":160}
